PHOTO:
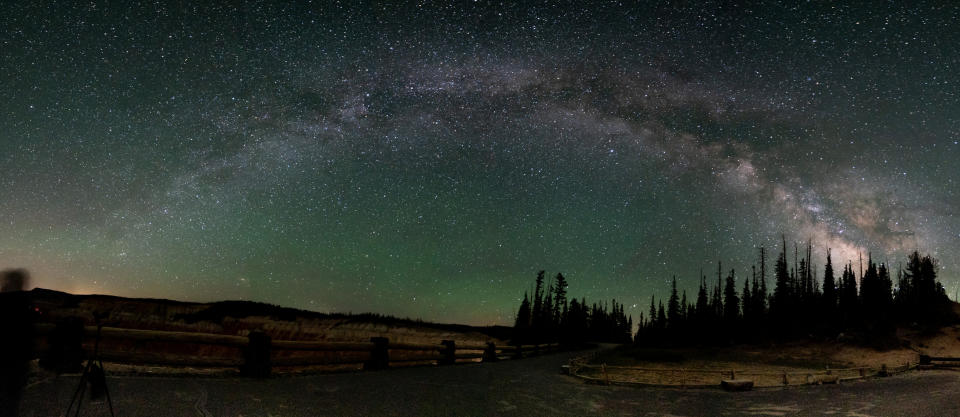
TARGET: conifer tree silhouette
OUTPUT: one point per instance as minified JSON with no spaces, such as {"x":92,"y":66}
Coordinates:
{"x":783,"y":296}
{"x":746,"y":299}
{"x":537,"y":323}
{"x":560,"y":300}
{"x":703,"y":309}
{"x":673,"y":307}
{"x":829,"y":287}
{"x":731,"y":303}
{"x":522,"y":324}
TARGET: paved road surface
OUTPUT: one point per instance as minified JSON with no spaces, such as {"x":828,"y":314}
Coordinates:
{"x":530,"y":387}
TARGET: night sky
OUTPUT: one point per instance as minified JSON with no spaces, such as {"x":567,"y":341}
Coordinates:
{"x":426,"y":160}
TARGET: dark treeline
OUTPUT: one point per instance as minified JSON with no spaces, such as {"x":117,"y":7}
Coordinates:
{"x":550,"y":317}
{"x":800,"y":303}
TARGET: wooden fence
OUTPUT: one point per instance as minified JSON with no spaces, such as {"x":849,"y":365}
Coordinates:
{"x":929,"y":362}
{"x":65,"y":344}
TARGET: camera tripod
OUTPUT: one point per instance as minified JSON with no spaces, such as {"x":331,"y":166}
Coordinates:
{"x":93,"y":374}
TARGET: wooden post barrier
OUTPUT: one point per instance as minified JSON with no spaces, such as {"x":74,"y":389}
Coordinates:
{"x":448,"y":354}
{"x":490,"y":353}
{"x":256,"y":356}
{"x":518,"y":352}
{"x":66,"y":347}
{"x":379,"y":355}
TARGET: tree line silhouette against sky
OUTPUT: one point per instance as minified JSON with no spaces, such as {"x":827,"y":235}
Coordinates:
{"x":798,"y":305}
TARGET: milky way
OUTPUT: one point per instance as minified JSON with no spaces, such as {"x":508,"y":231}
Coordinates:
{"x":426,"y":161}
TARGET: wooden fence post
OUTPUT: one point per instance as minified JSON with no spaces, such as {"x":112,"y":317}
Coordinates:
{"x":379,"y":356}
{"x":66,"y":347}
{"x":518,"y":353}
{"x":448,"y":355}
{"x":490,"y":353}
{"x":256,"y":355}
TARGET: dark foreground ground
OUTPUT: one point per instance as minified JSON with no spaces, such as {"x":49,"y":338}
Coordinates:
{"x":529,"y":387}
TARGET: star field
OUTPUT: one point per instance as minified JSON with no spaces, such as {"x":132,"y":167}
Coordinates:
{"x":425,"y":160}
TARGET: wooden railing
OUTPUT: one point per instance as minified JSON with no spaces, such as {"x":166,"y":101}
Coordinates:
{"x":257,"y":354}
{"x":939,"y":361}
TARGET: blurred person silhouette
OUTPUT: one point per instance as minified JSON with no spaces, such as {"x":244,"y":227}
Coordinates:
{"x":16,"y":338}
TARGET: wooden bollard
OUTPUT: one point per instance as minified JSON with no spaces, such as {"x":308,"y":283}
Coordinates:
{"x":448,"y":355}
{"x":785,"y":380}
{"x":883,"y":370}
{"x":256,"y":355}
{"x":490,"y":353}
{"x":379,"y":356}
{"x":66,"y":347}
{"x":863,"y":372}
{"x":518,"y":352}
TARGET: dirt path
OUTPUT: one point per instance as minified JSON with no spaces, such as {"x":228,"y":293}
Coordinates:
{"x":527,"y":387}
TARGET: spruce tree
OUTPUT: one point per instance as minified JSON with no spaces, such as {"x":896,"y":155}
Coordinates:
{"x":760,"y":309}
{"x":886,"y":287}
{"x":523,"y":315}
{"x":871,"y":298}
{"x":717,"y":300}
{"x":537,"y":312}
{"x":829,"y":286}
{"x":703,"y":309}
{"x":848,"y":299}
{"x":653,"y":313}
{"x":673,"y":307}
{"x":782,"y":304}
{"x":661,"y":317}
{"x":746,"y":298}
{"x":560,"y":298}
{"x":547,"y":312}
{"x":731,"y":303}
{"x":684,"y":307}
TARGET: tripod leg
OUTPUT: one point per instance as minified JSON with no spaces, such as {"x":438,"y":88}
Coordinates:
{"x":81,"y":387}
{"x":106,"y":389}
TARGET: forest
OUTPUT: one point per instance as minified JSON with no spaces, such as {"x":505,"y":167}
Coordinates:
{"x":862,"y":303}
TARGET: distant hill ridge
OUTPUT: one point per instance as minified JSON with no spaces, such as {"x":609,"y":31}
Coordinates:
{"x":216,"y":312}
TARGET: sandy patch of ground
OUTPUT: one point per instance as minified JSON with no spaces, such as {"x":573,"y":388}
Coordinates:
{"x":771,"y":365}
